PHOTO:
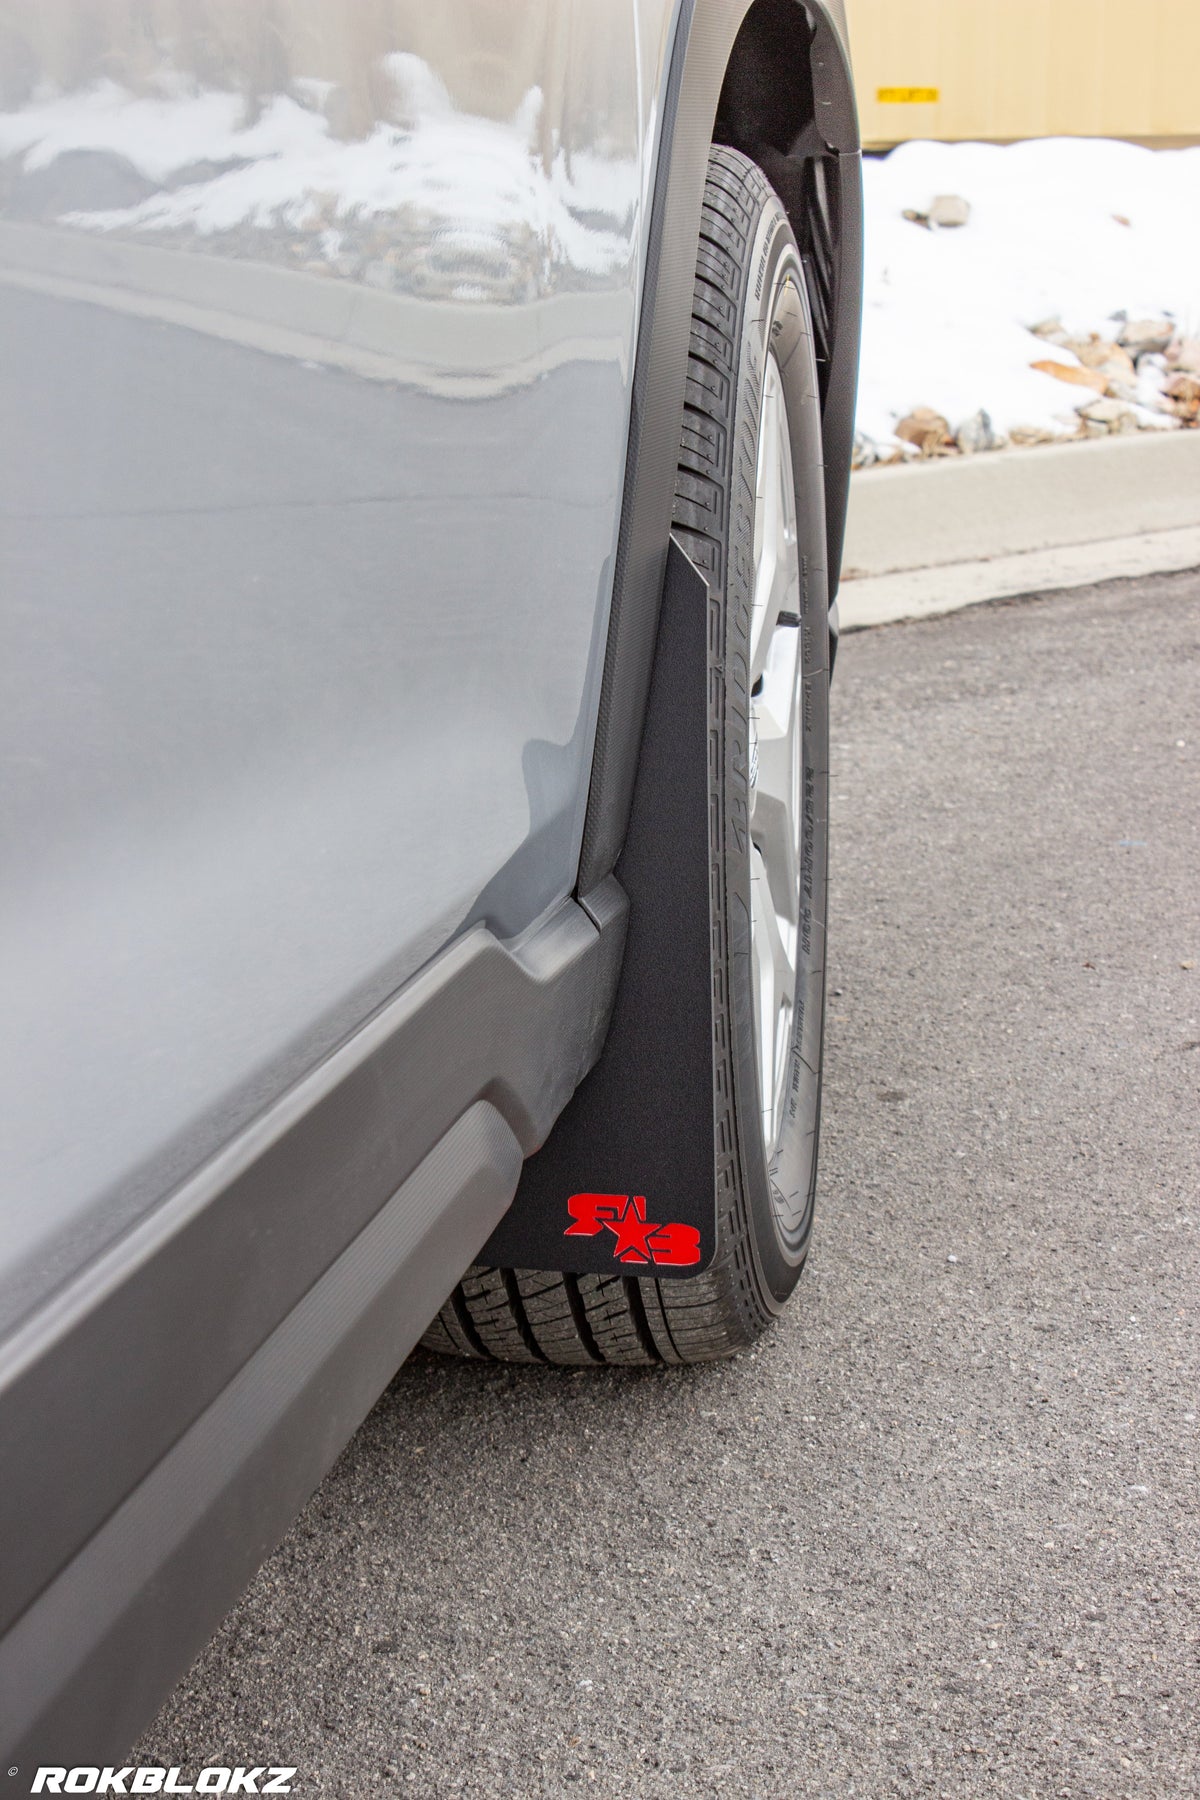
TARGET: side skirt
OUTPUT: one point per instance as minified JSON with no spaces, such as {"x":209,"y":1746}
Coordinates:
{"x":173,"y":1311}
{"x":99,"y":1650}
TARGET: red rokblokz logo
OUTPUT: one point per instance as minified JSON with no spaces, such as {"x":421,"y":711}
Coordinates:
{"x":639,"y":1240}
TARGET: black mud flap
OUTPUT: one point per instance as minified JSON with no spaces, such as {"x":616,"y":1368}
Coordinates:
{"x":626,"y":1181}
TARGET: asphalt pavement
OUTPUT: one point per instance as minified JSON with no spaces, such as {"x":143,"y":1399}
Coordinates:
{"x":939,"y":1534}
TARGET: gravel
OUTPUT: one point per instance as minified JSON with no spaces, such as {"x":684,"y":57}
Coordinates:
{"x":938,"y":1535}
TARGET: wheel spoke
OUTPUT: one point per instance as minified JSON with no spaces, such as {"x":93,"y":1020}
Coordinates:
{"x":766,"y":1005}
{"x":772,"y":833}
{"x":775,"y":798}
{"x":776,"y":568}
{"x":776,"y":982}
{"x":776,"y":745}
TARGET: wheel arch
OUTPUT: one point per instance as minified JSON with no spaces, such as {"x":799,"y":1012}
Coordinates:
{"x":770,"y":78}
{"x":787,"y":102}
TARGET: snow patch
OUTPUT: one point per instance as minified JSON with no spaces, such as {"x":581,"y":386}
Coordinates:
{"x":946,"y":313}
{"x":452,"y":174}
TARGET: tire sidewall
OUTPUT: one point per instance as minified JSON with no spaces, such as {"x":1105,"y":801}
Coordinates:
{"x":776,"y":319}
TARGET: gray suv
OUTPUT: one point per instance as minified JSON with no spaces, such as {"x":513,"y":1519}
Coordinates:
{"x":427,"y":439}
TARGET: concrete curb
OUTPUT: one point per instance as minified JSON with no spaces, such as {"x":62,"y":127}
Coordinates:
{"x":929,"y":538}
{"x":921,"y":593}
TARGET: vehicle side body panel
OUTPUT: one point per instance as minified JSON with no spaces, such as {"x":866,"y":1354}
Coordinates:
{"x":343,"y":379}
{"x":316,"y":418}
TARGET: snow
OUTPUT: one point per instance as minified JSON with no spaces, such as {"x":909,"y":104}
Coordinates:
{"x":467,"y":177}
{"x":158,"y":135}
{"x":947,"y":313}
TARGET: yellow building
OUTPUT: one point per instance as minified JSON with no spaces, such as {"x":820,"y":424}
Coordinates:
{"x":1004,"y":69}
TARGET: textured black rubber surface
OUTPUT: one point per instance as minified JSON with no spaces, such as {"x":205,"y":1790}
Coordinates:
{"x":641,"y":1123}
{"x":748,"y":297}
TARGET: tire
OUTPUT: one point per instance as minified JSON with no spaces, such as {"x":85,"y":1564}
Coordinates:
{"x":750,"y":316}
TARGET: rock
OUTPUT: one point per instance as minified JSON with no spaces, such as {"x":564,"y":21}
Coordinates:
{"x":978,"y":433}
{"x":1091,"y":378}
{"x":1052,"y":330}
{"x":1112,"y":415}
{"x":1091,"y":349}
{"x":1103,"y":412}
{"x":948,"y":211}
{"x":1024,"y":435}
{"x":1139,"y":335}
{"x":926,"y":429}
{"x":1184,"y":353}
{"x":1111,"y":359}
{"x":1183,"y":391}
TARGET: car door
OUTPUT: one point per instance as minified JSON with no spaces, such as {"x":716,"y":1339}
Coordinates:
{"x":319,"y":325}
{"x":318,"y":329}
